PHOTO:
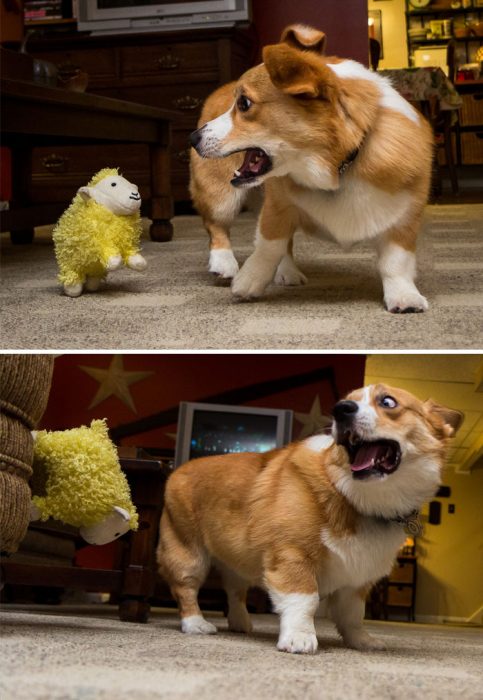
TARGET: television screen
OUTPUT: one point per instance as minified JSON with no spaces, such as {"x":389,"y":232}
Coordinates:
{"x":214,"y":432}
{"x":213,"y":429}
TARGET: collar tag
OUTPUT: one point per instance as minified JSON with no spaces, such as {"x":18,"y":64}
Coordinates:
{"x":413,"y":525}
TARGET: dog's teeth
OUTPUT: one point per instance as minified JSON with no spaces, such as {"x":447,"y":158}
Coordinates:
{"x":237,"y":173}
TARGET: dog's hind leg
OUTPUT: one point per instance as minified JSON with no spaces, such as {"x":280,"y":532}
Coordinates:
{"x":184,"y":564}
{"x":236,"y":590}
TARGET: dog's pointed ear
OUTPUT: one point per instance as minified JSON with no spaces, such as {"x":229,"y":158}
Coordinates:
{"x":304,"y":38}
{"x":298,"y":73}
{"x":451,"y":418}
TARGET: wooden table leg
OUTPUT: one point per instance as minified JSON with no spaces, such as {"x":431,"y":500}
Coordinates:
{"x":161,"y":197}
{"x":21,"y":175}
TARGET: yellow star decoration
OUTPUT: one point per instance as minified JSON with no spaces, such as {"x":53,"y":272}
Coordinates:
{"x":114,"y":381}
{"x":313,"y":422}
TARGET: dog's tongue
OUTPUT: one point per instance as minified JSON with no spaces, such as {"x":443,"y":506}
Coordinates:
{"x":253,"y":162}
{"x":366,"y":456}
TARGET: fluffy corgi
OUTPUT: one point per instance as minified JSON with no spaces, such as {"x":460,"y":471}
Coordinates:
{"x":339,"y":152}
{"x":321,"y":517}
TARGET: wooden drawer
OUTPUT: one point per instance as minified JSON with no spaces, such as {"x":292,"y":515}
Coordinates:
{"x":472,"y":147}
{"x":400,"y":596}
{"x":100,"y":65}
{"x":169,"y":58}
{"x":403,"y":572}
{"x":187,"y":98}
{"x":471,"y":113}
{"x":57,"y":173}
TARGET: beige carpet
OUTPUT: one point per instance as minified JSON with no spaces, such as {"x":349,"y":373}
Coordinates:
{"x":92,"y":656}
{"x":178,"y":304}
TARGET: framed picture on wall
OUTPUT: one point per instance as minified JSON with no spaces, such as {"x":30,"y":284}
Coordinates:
{"x":375,"y":27}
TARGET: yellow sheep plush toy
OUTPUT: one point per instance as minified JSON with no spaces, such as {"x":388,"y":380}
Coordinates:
{"x":78,"y":479}
{"x":99,"y":232}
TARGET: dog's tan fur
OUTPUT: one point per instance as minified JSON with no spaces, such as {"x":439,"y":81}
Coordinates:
{"x":311,"y":116}
{"x":271,"y":520}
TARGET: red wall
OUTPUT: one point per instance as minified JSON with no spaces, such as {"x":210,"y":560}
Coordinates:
{"x":178,"y":378}
{"x":343,"y":21}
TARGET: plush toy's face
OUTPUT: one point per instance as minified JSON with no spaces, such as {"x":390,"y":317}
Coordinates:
{"x":115,"y":193}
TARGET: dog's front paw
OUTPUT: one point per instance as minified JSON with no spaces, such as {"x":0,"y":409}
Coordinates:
{"x":252,"y":280}
{"x":360,"y":640}
{"x":223,"y":263}
{"x":239,"y":621}
{"x":298,"y":642}
{"x":405,"y":300}
{"x":196,"y":624}
{"x":137,"y":262}
{"x":288,"y":273}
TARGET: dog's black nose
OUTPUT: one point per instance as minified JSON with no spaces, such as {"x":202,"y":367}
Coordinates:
{"x":195,"y":137}
{"x":344,"y":410}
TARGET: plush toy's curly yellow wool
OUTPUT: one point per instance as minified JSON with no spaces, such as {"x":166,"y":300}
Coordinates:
{"x":101,"y":225}
{"x":78,"y":471}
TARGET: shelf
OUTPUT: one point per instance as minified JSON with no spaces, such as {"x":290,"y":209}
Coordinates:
{"x":449,"y":12}
{"x":444,"y":39}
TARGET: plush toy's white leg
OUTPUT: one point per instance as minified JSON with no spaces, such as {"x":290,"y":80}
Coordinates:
{"x":137,"y":262}
{"x":92,"y":284}
{"x":73,"y":290}
{"x":114,"y":263}
{"x":34,"y":512}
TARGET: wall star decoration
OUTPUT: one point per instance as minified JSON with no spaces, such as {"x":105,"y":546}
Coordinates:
{"x":314,"y":421}
{"x":114,"y":381}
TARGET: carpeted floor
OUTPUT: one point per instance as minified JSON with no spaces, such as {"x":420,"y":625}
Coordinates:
{"x":56,"y":655}
{"x":177,"y":304}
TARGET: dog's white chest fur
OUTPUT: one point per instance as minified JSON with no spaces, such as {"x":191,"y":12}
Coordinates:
{"x":356,"y":211}
{"x":358,"y":559}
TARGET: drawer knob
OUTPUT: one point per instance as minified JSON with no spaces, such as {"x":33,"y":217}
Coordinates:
{"x":187,"y":103}
{"x":169,"y":62}
{"x":184,"y":155}
{"x":55,"y":163}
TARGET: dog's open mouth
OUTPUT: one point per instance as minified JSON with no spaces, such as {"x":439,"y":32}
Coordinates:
{"x":375,"y":458}
{"x":255,"y":164}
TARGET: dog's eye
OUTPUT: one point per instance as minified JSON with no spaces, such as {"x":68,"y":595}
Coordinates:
{"x":113,"y":184}
{"x":243,"y":103}
{"x":387,"y":402}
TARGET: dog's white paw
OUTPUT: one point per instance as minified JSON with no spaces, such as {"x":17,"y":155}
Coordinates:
{"x":298,"y":642}
{"x":137,"y":262}
{"x":196,"y":624}
{"x":404,"y":299}
{"x":73,"y":290}
{"x":113,"y":263}
{"x":92,"y":284}
{"x":239,"y":621}
{"x":223,"y":263}
{"x":252,"y":280}
{"x":359,"y":639}
{"x":288,"y":273}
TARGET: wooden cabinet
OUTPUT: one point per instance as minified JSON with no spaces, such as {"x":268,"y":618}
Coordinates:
{"x":395,"y":595}
{"x":171,"y":70}
{"x":469,"y":134}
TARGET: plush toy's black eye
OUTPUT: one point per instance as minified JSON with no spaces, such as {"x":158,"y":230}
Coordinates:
{"x":387,"y":402}
{"x":243,"y":103}
{"x":113,"y":184}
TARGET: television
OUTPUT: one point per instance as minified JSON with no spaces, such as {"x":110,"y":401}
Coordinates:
{"x":206,"y":429}
{"x":124,"y":16}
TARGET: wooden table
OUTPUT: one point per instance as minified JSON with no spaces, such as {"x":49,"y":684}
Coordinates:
{"x":35,"y":115}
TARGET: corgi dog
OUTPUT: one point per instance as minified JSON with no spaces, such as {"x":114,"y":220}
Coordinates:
{"x":339,"y":153}
{"x":322,"y":517}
